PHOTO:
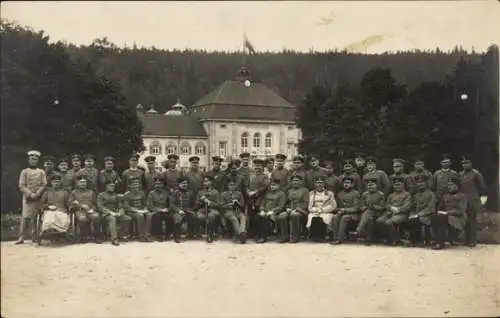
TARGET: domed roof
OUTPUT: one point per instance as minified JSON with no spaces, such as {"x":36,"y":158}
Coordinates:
{"x":177,"y":110}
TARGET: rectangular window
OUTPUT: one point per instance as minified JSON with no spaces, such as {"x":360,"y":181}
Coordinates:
{"x":223,"y":148}
{"x":290,"y":149}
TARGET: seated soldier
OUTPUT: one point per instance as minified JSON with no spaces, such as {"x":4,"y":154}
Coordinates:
{"x":158,"y":202}
{"x":208,"y":205}
{"x":424,"y":207}
{"x":372,"y":205}
{"x":296,"y":208}
{"x":82,"y":202}
{"x":397,"y":207}
{"x":271,"y":207}
{"x":182,"y":206}
{"x":232,"y":205}
{"x":451,"y":216}
{"x":109,"y":204}
{"x":55,"y":206}
{"x":134,"y":203}
{"x":347,"y":210}
{"x":321,"y":206}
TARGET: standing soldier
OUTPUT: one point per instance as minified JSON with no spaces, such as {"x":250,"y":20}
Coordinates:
{"x":298,"y":201}
{"x":372,"y":205}
{"x":158,"y":202}
{"x":348,"y":171}
{"x":424,"y":208}
{"x":397,"y":207}
{"x":76,"y":165}
{"x":232,"y":205}
{"x":245,"y":169}
{"x":451,"y":216}
{"x":383,"y":183}
{"x":347,"y":210}
{"x":108,"y":174}
{"x":280,"y":173}
{"x":255,"y":186}
{"x":134,"y":203}
{"x":183,"y":204}
{"x":49,"y":167}
{"x":32,"y":182}
{"x":269,"y":166}
{"x":314,"y":172}
{"x":232,"y":174}
{"x":194,"y":175}
{"x":298,"y":169}
{"x":67,"y":179}
{"x":419,"y":168}
{"x":271,"y":210}
{"x":90,"y":172}
{"x":208,"y":205}
{"x":360,"y":164}
{"x":133,"y":172}
{"x":110,"y":206}
{"x":217,"y":174}
{"x":473,"y":186}
{"x":82,"y":201}
{"x":398,"y":168}
{"x":441,"y":176}
{"x":151,"y":173}
{"x":172,"y":174}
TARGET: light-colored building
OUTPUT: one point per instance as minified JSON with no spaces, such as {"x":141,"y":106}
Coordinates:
{"x":238,"y":116}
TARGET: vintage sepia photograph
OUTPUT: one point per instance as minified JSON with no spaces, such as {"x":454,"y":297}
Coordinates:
{"x":250,"y":159}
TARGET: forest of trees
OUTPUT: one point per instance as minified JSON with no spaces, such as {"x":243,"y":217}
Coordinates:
{"x":403,"y":103}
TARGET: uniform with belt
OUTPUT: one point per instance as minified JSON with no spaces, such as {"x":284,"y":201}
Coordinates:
{"x":423,"y":209}
{"x":207,"y":207}
{"x":232,"y":205}
{"x":271,"y":207}
{"x":134,"y":203}
{"x":183,"y":204}
{"x":110,"y":205}
{"x":298,"y":201}
{"x":158,"y":203}
{"x":371,"y":206}
{"x":83,"y":202}
{"x":347,"y":210}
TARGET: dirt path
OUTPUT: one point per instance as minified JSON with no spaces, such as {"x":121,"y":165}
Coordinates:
{"x":226,"y":280}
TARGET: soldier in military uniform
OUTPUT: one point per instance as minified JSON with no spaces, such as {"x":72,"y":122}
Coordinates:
{"x":172,"y":174}
{"x":419,"y":168}
{"x":474,"y":188}
{"x":371,"y":206}
{"x":133,"y":172}
{"x":441,"y":176}
{"x":271,"y":208}
{"x":348,"y":171}
{"x":398,"y":167}
{"x":217,"y":174}
{"x":383,"y":183}
{"x":151,"y":173}
{"x":296,"y":208}
{"x":360,"y":164}
{"x":333,"y":183}
{"x":208,"y":205}
{"x":396,"y":212}
{"x":49,"y":167}
{"x":32,"y":182}
{"x":76,"y":165}
{"x":82,"y":201}
{"x":314,"y":172}
{"x":280,"y":172}
{"x":297,"y":169}
{"x":245,"y":169}
{"x":108,"y":174}
{"x":451,"y":216}
{"x":90,"y":172}
{"x":183,"y":205}
{"x":347,"y":210}
{"x":158,"y":203}
{"x":134,"y":203}
{"x":255,"y":186}
{"x":194,"y":175}
{"x":233,"y":209}
{"x":321,"y":206}
{"x":269,"y":162}
{"x":232,"y":173}
{"x":424,"y":208}
{"x":66,"y":178}
{"x":110,"y":206}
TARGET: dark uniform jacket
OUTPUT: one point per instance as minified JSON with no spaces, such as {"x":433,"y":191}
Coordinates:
{"x":134,"y":200}
{"x":71,"y":174}
{"x":150,"y":176}
{"x":107,"y":202}
{"x":472,"y":184}
{"x":67,"y":181}
{"x":298,"y":199}
{"x":245,"y":172}
{"x":455,"y":204}
{"x":281,"y":175}
{"x":425,"y":172}
{"x":357,"y":180}
{"x":228,"y":197}
{"x":130,"y":174}
{"x":312,"y":174}
{"x":184,"y":200}
{"x":92,"y":175}
{"x":218,"y":179}
{"x":171,"y":179}
{"x":195,"y":179}
{"x":236,"y":177}
{"x":440,"y":181}
{"x":383,"y":183}
{"x":274,"y":201}
{"x":105,"y":175}
{"x":57,"y":197}
{"x":424,"y":204}
{"x":158,"y":199}
{"x":86,"y":196}
{"x":333,"y":183}
{"x":300,"y":172}
{"x":349,"y":201}
{"x":374,"y":201}
{"x":401,"y":200}
{"x":211,"y":194}
{"x":407,"y":181}
{"x":258,"y":182}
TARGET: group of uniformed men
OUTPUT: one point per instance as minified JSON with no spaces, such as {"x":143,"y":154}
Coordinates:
{"x":267,"y":199}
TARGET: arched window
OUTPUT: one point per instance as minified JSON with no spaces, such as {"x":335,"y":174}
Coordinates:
{"x":200,"y":149}
{"x":155,"y":148}
{"x":171,"y":148}
{"x":244,"y":140}
{"x":185,"y":148}
{"x":256,"y":140}
{"x":268,"y":142}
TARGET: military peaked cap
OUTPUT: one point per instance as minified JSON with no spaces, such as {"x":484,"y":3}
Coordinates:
{"x":371,"y":159}
{"x":298,"y":158}
{"x":281,"y":156}
{"x":182,"y":179}
{"x":208,"y":177}
{"x":370,"y":179}
{"x":194,"y":159}
{"x":134,"y":156}
{"x":398,"y":160}
{"x":245,"y":155}
{"x":49,"y":159}
{"x":445,"y":157}
{"x":258,"y":161}
{"x":217,"y":159}
{"x":63,"y":159}
{"x":348,"y":162}
{"x":88,"y":156}
{"x":109,"y":158}
{"x":466,"y":158}
{"x":347,"y":178}
{"x":173,"y":156}
{"x":56,"y":176}
{"x":150,"y":159}
{"x":297,"y":177}
{"x":76,"y":156}
{"x":35,"y":153}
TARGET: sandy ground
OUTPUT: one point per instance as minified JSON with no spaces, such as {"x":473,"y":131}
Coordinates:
{"x":195,"y":279}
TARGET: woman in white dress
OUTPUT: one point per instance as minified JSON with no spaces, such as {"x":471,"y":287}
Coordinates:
{"x":321,"y":206}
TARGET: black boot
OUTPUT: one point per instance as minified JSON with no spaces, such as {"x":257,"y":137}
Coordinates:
{"x":177,"y":233}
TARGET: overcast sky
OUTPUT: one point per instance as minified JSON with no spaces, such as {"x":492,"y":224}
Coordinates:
{"x":270,"y":26}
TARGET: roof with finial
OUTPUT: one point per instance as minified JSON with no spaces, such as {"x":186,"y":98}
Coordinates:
{"x":152,"y":110}
{"x":243,"y":99}
{"x":177,"y":110}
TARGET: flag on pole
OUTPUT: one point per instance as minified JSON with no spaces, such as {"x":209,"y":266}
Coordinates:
{"x":247,"y":45}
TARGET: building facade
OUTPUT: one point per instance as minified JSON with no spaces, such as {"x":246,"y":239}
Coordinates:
{"x":238,"y":116}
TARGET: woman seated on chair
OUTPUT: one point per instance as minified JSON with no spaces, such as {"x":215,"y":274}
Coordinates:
{"x":55,"y":219}
{"x":321,"y":206}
